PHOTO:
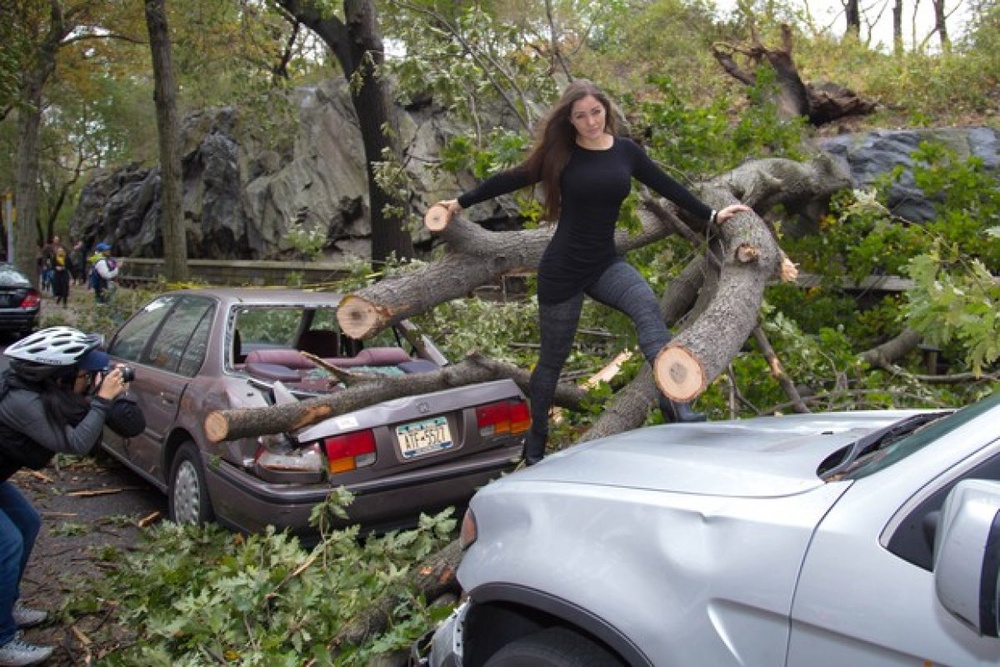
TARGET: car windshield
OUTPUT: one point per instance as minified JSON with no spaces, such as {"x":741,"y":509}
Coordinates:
{"x":885,"y":447}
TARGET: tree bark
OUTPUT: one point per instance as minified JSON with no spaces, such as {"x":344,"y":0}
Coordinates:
{"x":897,"y":27}
{"x":28,"y":234}
{"x":941,"y":24}
{"x":165,"y":96}
{"x":750,"y":257}
{"x":886,"y":354}
{"x":852,"y":17}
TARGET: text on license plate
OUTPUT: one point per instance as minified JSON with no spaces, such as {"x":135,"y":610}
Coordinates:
{"x":424,"y":437}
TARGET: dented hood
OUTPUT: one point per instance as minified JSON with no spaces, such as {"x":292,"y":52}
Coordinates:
{"x":760,"y":457}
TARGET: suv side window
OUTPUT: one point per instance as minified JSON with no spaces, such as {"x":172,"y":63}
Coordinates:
{"x":184,"y":339}
{"x":913,"y":539}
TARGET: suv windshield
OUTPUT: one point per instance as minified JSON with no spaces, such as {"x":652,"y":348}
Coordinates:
{"x":885,"y":447}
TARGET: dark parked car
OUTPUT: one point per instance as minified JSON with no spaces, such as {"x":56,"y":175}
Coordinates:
{"x":20,"y":303}
{"x":196,"y":351}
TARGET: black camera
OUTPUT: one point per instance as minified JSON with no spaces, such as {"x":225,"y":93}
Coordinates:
{"x":128,"y":373}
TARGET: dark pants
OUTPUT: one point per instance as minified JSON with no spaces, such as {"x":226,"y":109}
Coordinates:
{"x":19,"y":526}
{"x":622,"y":288}
{"x":60,"y":286}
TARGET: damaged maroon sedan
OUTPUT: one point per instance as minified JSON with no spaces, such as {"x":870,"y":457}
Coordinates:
{"x":200,"y":350}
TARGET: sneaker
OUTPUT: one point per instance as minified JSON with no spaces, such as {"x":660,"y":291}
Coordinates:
{"x":27,"y":617}
{"x":17,"y":653}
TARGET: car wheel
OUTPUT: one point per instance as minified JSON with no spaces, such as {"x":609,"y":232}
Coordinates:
{"x":555,"y":647}
{"x":188,"y":494}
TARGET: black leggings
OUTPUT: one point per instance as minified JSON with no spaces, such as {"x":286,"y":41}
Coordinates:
{"x":621,"y":287}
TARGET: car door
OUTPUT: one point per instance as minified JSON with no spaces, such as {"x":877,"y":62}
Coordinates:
{"x":866,"y":593}
{"x":173,"y":352}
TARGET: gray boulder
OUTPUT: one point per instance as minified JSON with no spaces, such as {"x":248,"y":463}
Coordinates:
{"x":867,"y":156}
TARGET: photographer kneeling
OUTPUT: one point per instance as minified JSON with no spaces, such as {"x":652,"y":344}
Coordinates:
{"x":56,"y":397}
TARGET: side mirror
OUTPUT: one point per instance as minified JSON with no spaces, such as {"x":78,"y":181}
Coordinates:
{"x":967,"y":555}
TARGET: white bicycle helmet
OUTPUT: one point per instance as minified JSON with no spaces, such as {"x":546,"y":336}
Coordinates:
{"x":49,"y":351}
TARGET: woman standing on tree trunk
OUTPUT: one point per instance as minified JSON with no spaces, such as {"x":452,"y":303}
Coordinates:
{"x":586,"y":173}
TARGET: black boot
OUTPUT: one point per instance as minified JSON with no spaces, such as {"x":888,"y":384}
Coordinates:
{"x":677,"y":412}
{"x":534,"y":447}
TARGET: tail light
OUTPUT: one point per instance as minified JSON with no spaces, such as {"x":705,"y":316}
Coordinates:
{"x":350,"y":451}
{"x":287,"y":464}
{"x":469,"y":532}
{"x":503,"y":418}
{"x":31,"y":300}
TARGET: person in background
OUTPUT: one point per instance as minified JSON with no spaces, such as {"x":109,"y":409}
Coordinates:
{"x":78,"y":263}
{"x":60,"y":272}
{"x":44,"y":409}
{"x":45,"y":267}
{"x":586,"y":173}
{"x":103,"y":272}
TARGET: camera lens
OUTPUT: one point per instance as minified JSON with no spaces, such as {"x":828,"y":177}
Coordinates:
{"x":128,"y":374}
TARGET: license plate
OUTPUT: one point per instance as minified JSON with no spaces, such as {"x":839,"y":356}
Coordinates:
{"x":424,"y":437}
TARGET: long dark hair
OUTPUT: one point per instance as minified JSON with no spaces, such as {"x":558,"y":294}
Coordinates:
{"x":555,"y":139}
{"x":63,"y":406}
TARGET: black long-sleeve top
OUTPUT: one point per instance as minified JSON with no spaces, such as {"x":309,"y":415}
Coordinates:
{"x":594,"y":185}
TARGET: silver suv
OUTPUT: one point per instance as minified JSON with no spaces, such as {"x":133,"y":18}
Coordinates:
{"x":854,"y":538}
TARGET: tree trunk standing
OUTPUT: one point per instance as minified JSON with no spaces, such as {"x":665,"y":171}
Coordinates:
{"x":165,"y":97}
{"x":27,"y":232}
{"x":379,"y":130}
{"x":852,"y":15}
{"x":42,"y":63}
{"x":941,"y":24}
{"x":897,"y":27}
{"x":357,"y":45}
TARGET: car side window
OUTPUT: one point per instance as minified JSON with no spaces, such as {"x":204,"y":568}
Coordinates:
{"x":913,"y":539}
{"x":132,"y":339}
{"x":194,"y":355}
{"x":168,"y":349}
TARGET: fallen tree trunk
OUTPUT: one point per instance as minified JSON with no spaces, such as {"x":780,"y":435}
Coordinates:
{"x":821,"y":103}
{"x":475,"y":256}
{"x":367,"y":389}
{"x":885,"y":355}
{"x":747,"y":256}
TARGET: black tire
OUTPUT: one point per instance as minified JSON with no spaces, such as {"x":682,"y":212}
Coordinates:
{"x":187,"y":494}
{"x":555,"y":647}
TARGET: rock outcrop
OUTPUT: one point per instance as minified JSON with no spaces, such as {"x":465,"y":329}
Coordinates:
{"x":873,"y":154}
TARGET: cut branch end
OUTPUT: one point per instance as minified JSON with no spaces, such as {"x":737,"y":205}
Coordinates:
{"x":679,"y":373}
{"x":358,"y":318}
{"x":437,"y":218}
